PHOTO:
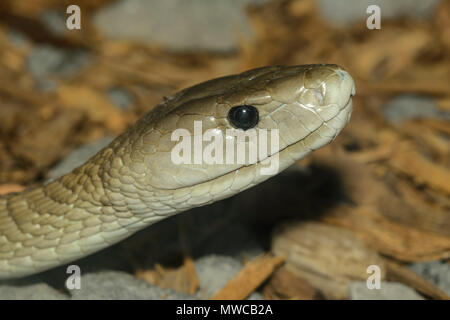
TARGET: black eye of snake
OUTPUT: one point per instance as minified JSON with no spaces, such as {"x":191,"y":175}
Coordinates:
{"x":243,"y":117}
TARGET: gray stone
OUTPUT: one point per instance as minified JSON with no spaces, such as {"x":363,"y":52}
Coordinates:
{"x":18,"y":38}
{"x":177,"y":24}
{"x":350,"y":11}
{"x":113,"y":285}
{"x":46,"y":61}
{"x":256,"y":296}
{"x":437,"y":272}
{"x":388,"y":291}
{"x":214,"y":272}
{"x":38,"y":291}
{"x":55,"y":21}
{"x":120,"y":97}
{"x":77,"y":157}
{"x":404,"y":107}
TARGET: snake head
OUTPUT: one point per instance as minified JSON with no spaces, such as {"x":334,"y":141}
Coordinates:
{"x":206,"y":142}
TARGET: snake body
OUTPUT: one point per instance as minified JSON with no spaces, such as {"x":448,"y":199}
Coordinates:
{"x":132,"y":183}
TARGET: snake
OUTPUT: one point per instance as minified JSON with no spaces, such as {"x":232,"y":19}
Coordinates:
{"x":134,"y":181}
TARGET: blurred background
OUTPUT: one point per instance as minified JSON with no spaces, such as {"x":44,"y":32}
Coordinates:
{"x":377,"y":196}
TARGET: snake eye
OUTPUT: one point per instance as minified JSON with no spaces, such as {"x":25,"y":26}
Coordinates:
{"x":243,"y":117}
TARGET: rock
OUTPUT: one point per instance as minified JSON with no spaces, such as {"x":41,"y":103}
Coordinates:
{"x":121,"y":97}
{"x":38,"y":291}
{"x":437,"y":272}
{"x":77,"y":157}
{"x":406,"y":107}
{"x":388,"y":291}
{"x":114,"y":285}
{"x":255,"y":296}
{"x":350,"y":11}
{"x":214,"y":272}
{"x":46,"y":60}
{"x":55,"y":21}
{"x":17,"y":38}
{"x":177,"y":24}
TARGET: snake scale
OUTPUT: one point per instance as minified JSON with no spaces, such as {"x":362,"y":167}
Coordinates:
{"x":132,"y":183}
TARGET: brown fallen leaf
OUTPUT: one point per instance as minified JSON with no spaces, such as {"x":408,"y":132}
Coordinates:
{"x":370,"y":62}
{"x":397,"y":272}
{"x":183,"y":279}
{"x":194,"y":282}
{"x":396,"y":240}
{"x":94,"y":104}
{"x":416,"y":87}
{"x":409,"y":161}
{"x":8,"y":188}
{"x":249,"y":278}
{"x":444,"y":104}
{"x":439,"y":125}
{"x":284,"y":284}
{"x":430,"y":139}
{"x":368,"y":189}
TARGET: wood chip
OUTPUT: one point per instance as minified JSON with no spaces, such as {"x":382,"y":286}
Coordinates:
{"x":8,"y":188}
{"x":93,"y":103}
{"x":409,"y":161}
{"x":396,"y":240}
{"x":249,"y":278}
{"x":284,"y":284}
{"x":397,"y":272}
{"x":183,"y":279}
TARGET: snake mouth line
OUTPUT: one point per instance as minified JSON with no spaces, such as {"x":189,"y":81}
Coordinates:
{"x":324,"y":123}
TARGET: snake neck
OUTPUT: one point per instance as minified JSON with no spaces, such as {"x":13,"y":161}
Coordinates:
{"x":78,"y":214}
